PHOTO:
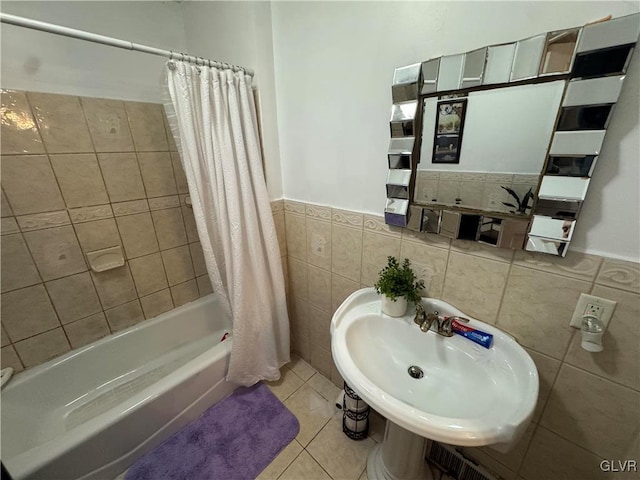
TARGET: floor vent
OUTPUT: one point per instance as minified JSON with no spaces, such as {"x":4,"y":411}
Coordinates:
{"x":454,"y":464}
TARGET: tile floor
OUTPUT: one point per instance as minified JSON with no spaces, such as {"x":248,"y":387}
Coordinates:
{"x":320,"y":451}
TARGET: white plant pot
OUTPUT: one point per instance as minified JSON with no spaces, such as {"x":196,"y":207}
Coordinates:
{"x":394,"y":309}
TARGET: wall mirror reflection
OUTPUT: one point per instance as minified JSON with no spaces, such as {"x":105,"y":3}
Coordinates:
{"x":501,"y":156}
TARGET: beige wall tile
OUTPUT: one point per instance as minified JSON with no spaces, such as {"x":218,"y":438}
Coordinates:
{"x":74,"y":297}
{"x":147,"y":126}
{"x":88,"y":214}
{"x":551,"y":457}
{"x":185,"y":292}
{"x":138,"y":234}
{"x":299,"y":324}
{"x":341,"y":288}
{"x":124,"y":316}
{"x":157,"y":303}
{"x":346,"y":217}
{"x":108,"y":124}
{"x":432,"y":274}
{"x":98,"y":235}
{"x":114,"y":287}
{"x":177,"y":263}
{"x":130,"y":208}
{"x":197,"y":257}
{"x":278,"y":220}
{"x":9,"y":226}
{"x":620,"y":359}
{"x":298,"y":279}
{"x":204,"y":285}
{"x":18,"y":127}
{"x":514,"y":457}
{"x":160,"y":203}
{"x":319,"y":334}
{"x":87,"y":330}
{"x":157,"y":173}
{"x":304,"y":466}
{"x":346,"y":251}
{"x":542,"y":321}
{"x":577,"y":265}
{"x":312,"y":412}
{"x":376,"y":248}
{"x":5,"y":209}
{"x":56,"y":252}
{"x":80,"y":179}
{"x":190,"y":224}
{"x":17,"y":268}
{"x":27,"y":312}
{"x":9,"y":358}
{"x":173,"y":147}
{"x":296,"y":232}
{"x":277,"y":206}
{"x":599,"y":415}
{"x":30,"y":185}
{"x":36,"y":350}
{"x":547,"y":371}
{"x":148,"y":274}
{"x":61,"y":123}
{"x":375,"y":223}
{"x":619,"y":274}
{"x":320,"y":358}
{"x":121,"y":176}
{"x":38,"y":221}
{"x":481,"y":250}
{"x":169,"y":228}
{"x":178,"y":173}
{"x":318,"y":211}
{"x":295,"y":207}
{"x":319,"y":243}
{"x":475,"y":285}
{"x":5,"y":337}
{"x":430,"y":239}
{"x":319,"y":282}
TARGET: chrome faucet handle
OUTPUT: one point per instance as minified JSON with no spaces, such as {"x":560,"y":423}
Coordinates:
{"x":429,"y":320}
{"x":444,"y":324}
{"x":420,"y":317}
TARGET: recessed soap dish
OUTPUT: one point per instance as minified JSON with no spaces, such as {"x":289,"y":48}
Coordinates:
{"x":106,"y":259}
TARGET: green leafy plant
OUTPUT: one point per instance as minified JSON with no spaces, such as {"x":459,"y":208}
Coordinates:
{"x":399,"y":281}
{"x":522,"y":205}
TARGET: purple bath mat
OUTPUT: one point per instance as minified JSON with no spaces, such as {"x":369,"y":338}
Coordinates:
{"x":233,"y":440}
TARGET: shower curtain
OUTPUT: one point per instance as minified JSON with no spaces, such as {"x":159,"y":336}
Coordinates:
{"x":214,"y":113}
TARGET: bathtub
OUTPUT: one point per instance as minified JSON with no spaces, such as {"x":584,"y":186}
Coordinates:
{"x":93,"y":412}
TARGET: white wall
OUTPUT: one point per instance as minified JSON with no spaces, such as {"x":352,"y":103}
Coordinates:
{"x":240,"y":33}
{"x":334,"y":63}
{"x":38,"y":61}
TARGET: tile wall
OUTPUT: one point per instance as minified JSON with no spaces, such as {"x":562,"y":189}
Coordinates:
{"x":79,"y":175}
{"x":589,"y":404}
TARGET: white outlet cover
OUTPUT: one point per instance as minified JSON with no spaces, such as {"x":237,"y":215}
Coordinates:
{"x":608,"y":307}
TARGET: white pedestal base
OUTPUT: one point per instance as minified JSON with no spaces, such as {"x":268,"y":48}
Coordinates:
{"x":400,"y":456}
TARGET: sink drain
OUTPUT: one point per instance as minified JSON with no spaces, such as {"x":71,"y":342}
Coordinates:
{"x":415,"y":371}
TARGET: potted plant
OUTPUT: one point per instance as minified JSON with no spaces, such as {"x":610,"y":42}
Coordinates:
{"x":398,"y":285}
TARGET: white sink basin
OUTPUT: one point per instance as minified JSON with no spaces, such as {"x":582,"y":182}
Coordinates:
{"x":468,"y":396}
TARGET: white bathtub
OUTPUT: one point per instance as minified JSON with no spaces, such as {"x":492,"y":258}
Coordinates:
{"x":91,"y":413}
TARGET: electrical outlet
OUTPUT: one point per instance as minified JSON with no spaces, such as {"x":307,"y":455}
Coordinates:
{"x":596,"y":306}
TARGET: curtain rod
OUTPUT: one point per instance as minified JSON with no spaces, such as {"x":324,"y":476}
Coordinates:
{"x":110,"y":41}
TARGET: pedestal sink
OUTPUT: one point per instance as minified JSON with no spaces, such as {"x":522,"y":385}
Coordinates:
{"x":467,"y":395}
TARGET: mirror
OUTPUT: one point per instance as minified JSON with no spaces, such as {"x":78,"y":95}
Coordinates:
{"x":497,"y":145}
{"x":470,"y":156}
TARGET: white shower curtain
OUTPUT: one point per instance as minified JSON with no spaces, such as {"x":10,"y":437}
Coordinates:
{"x":220,"y":150}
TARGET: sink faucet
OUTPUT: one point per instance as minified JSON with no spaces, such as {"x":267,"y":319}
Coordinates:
{"x":423,"y":319}
{"x":443,"y":324}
